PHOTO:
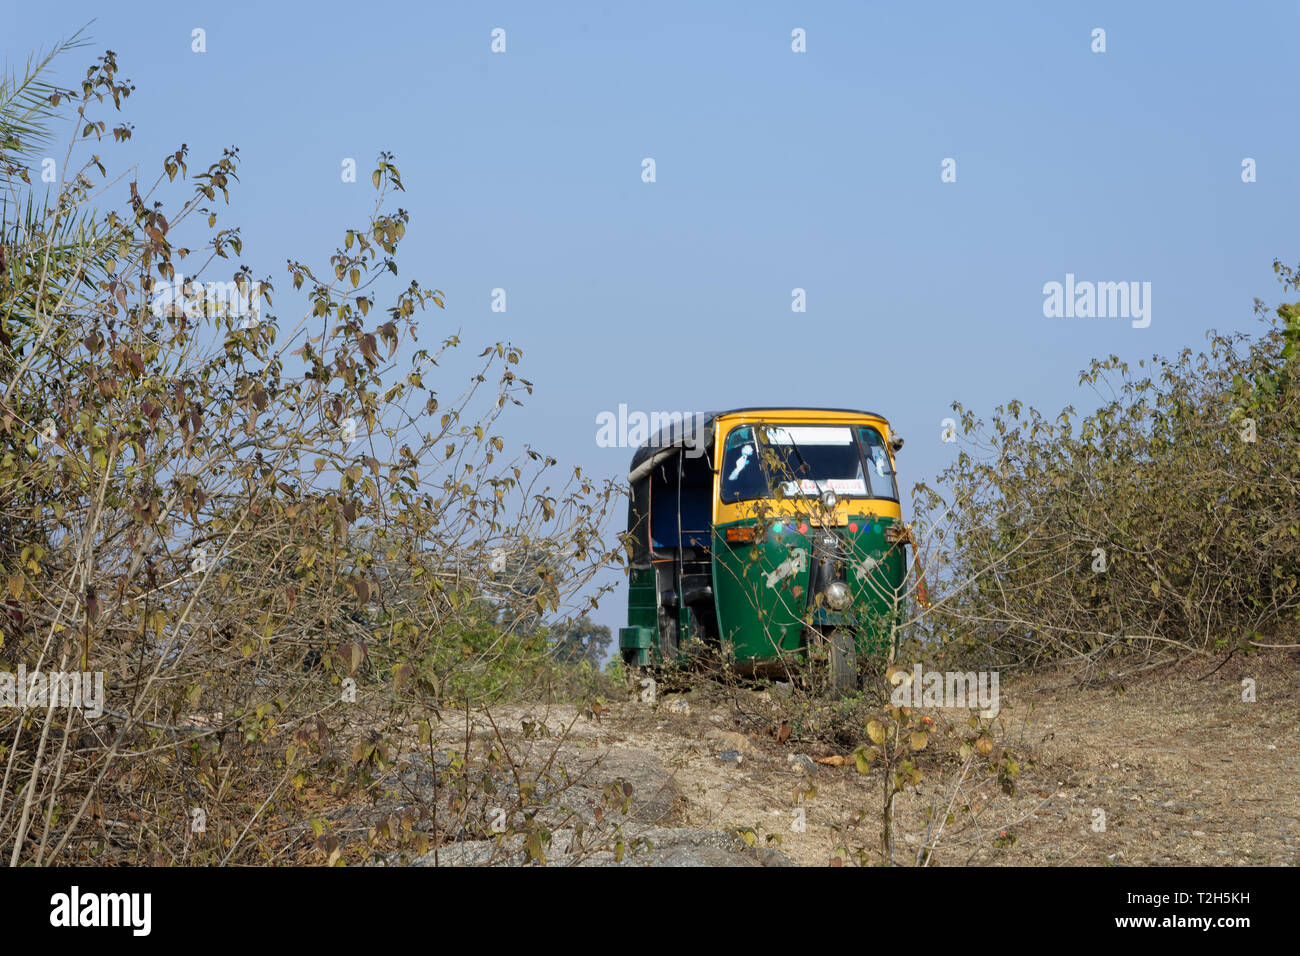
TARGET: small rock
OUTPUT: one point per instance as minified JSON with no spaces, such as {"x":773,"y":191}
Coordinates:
{"x":730,"y":740}
{"x":731,"y":756}
{"x":769,"y":857}
{"x":1272,"y":746}
{"x":678,"y":705}
{"x":801,"y":763}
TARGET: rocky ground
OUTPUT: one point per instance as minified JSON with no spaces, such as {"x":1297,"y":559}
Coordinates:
{"x":1168,"y":767}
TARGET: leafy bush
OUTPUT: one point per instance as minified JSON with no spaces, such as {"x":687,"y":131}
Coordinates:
{"x":1166,"y":518}
{"x":277,"y":544}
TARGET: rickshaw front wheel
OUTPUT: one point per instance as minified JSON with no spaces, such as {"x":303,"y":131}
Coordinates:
{"x":842,"y":662}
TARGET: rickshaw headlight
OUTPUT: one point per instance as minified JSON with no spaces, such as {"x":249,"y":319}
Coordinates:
{"x":838,"y":595}
{"x":830,"y":500}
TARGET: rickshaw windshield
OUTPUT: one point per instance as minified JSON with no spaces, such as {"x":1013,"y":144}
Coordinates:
{"x":803,"y":460}
{"x":880,"y":473}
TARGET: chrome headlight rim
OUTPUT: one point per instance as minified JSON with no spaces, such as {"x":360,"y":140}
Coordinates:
{"x":837,"y":595}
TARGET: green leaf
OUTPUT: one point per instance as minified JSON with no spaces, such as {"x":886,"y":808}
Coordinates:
{"x":876,"y":731}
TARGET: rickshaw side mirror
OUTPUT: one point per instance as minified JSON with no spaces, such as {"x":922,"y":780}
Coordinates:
{"x":896,"y":443}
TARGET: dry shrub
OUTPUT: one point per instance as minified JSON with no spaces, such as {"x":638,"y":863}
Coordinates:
{"x":281,"y":546}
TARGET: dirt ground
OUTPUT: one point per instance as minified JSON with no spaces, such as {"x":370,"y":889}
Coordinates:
{"x":1168,"y":767}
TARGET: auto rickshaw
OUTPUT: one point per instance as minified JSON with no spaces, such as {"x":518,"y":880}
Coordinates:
{"x":772,"y":535}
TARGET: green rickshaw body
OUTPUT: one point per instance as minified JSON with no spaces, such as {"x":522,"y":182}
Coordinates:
{"x":751,"y":567}
{"x":762,"y":590}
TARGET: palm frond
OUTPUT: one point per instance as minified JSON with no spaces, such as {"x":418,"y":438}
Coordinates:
{"x":25,"y":108}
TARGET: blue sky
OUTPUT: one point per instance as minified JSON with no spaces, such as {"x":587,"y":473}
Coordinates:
{"x":775,"y":170}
